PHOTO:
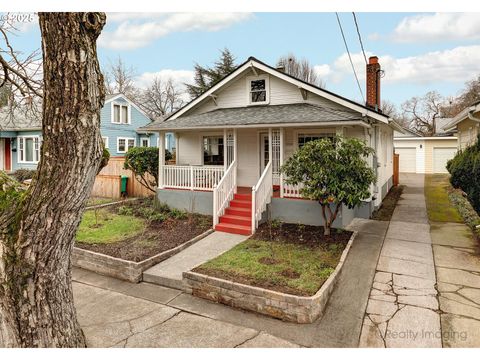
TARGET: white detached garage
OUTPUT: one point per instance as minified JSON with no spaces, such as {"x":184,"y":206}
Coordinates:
{"x":425,"y":155}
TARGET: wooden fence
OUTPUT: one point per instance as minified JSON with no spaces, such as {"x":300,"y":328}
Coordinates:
{"x":108,"y":181}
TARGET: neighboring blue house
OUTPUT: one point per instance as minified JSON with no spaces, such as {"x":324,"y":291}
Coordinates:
{"x":21,"y":136}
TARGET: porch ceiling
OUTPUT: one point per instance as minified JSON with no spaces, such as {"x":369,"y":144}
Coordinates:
{"x":259,"y":115}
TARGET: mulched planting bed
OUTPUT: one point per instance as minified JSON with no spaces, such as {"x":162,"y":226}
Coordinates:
{"x":289,"y":258}
{"x":388,"y":204}
{"x":160,"y":229}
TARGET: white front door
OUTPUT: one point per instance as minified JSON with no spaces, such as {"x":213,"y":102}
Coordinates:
{"x":2,"y":154}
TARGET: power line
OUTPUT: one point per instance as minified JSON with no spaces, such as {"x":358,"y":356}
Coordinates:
{"x":349,"y":56}
{"x":359,"y":37}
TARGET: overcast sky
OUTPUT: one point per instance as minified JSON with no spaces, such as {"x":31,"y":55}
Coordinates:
{"x":419,"y":52}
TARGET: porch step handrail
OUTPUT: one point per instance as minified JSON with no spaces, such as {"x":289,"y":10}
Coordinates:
{"x":262,"y":195}
{"x":224,"y":191}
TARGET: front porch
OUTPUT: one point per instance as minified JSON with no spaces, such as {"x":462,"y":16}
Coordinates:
{"x":236,"y":173}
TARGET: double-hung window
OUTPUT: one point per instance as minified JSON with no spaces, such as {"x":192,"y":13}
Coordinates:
{"x":258,"y":90}
{"x":304,"y":138}
{"x":213,"y":150}
{"x":29,"y":149}
{"x":125,"y":144}
{"x":120,"y":114}
{"x":145,"y":142}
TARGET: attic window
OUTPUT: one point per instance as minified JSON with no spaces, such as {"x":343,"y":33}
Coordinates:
{"x":258,"y":90}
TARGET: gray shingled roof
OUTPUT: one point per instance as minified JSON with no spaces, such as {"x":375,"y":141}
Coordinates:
{"x":257,"y":115}
{"x":19,"y":119}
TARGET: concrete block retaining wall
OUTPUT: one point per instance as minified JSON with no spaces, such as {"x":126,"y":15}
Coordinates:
{"x":124,"y":269}
{"x":299,"y":309}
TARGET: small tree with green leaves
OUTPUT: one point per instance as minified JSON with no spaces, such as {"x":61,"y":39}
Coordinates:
{"x":143,"y":161}
{"x":332,"y":171}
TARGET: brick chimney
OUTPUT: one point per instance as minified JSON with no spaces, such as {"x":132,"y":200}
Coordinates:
{"x":373,"y":83}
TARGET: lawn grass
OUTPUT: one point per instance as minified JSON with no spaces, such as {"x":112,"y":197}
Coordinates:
{"x":439,"y":207}
{"x":295,"y":269}
{"x":106,"y":227}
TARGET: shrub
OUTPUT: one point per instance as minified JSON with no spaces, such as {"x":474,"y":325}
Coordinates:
{"x":143,"y":161}
{"x":23,"y":174}
{"x":178,"y":214}
{"x":125,"y":210}
{"x":465,"y":171}
{"x":332,"y":172}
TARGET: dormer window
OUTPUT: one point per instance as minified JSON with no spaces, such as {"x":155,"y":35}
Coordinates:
{"x":120,"y":113}
{"x":258,"y":90}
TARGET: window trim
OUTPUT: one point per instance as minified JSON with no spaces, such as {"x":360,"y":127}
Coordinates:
{"x":267,"y":89}
{"x":105,"y":141}
{"x":112,"y":113}
{"x":33,"y":137}
{"x":126,"y":144}
{"x":311,"y":132}
{"x":202,"y":142}
{"x":145,"y":138}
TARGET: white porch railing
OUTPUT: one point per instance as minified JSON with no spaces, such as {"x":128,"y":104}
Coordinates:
{"x":262,"y":195}
{"x":292,"y":191}
{"x":223,"y":192}
{"x":191,"y":177}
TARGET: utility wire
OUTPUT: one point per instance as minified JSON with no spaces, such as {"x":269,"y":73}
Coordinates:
{"x":359,"y":37}
{"x":350,"y":57}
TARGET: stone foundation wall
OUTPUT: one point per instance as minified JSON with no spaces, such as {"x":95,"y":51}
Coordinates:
{"x":299,"y":309}
{"x":124,"y":269}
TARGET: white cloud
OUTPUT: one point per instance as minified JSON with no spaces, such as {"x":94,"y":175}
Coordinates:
{"x":438,"y":27}
{"x":179,"y":77}
{"x":454,"y":65}
{"x":322,"y":70}
{"x":133,"y":33}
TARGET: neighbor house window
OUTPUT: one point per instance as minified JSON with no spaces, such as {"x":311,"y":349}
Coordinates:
{"x":125,"y":144}
{"x":105,"y":141}
{"x":213,"y":150}
{"x":28,"y":149}
{"x":258,"y":90}
{"x":305,"y":138}
{"x":121,"y":114}
{"x":145,"y":142}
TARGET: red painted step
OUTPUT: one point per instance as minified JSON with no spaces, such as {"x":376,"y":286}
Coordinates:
{"x":238,"y":211}
{"x":234,"y":229}
{"x":241,"y":204}
{"x":236,"y":219}
{"x":244,"y":197}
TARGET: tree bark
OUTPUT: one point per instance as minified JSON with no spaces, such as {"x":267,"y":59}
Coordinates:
{"x":38,"y":228}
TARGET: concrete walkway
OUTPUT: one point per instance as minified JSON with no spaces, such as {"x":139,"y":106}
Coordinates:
{"x":169,"y":272}
{"x":403,"y":310}
{"x":457,"y":263}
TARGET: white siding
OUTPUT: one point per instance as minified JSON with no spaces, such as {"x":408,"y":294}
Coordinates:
{"x":190,"y":149}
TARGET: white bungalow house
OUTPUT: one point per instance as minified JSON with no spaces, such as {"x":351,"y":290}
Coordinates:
{"x":232,"y":140}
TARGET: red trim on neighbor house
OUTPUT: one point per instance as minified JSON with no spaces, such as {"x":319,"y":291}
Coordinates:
{"x":8,"y":155}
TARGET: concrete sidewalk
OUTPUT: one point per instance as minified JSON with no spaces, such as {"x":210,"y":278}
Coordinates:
{"x":403,"y":308}
{"x":169,"y":272}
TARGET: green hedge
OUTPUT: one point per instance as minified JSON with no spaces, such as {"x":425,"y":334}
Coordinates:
{"x":465,"y":171}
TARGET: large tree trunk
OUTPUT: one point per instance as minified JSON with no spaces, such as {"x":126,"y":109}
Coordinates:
{"x":38,"y":228}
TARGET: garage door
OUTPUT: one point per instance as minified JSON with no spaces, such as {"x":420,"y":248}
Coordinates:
{"x":408,"y":159}
{"x":440,"y":158}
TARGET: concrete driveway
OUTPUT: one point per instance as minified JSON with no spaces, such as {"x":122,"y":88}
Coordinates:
{"x":426,"y":291}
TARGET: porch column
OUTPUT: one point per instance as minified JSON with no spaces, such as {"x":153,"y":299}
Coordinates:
{"x":225,"y":150}
{"x":161,"y":158}
{"x":270,"y":145}
{"x":177,"y":146}
{"x":282,"y":132}
{"x":235,"y":145}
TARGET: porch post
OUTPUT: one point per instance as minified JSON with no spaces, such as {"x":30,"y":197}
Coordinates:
{"x":270,"y":145}
{"x":281,"y":160}
{"x":235,"y":144}
{"x":177,"y":146}
{"x":225,"y":150}
{"x":161,"y":158}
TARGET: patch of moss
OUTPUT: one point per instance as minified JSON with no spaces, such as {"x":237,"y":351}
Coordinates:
{"x":439,"y":207}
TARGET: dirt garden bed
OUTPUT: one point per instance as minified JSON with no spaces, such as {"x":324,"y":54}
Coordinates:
{"x":385,"y":212}
{"x":286,"y":271}
{"x":124,"y":239}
